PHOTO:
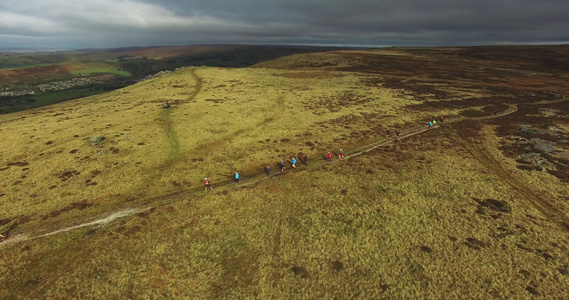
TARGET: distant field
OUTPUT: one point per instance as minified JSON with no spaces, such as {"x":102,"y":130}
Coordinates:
{"x":458,"y":211}
{"x":25,"y":67}
{"x":109,"y":70}
{"x":51,"y":72}
{"x":35,"y":101}
{"x":33,"y":75}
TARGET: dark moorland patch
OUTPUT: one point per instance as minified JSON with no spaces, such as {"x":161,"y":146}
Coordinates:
{"x":66,"y":175}
{"x":75,"y":205}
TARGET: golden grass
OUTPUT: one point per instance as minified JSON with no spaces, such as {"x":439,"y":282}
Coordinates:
{"x":406,"y":230}
{"x":240,"y":120}
{"x":424,"y":217}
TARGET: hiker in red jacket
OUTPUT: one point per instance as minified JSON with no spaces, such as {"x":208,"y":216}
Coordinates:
{"x":329,"y":156}
{"x":207,"y":184}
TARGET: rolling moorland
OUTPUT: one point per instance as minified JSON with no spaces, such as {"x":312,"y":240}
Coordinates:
{"x":103,"y":196}
{"x":32,"y":80}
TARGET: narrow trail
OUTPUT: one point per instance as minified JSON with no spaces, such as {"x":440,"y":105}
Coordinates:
{"x":168,"y":124}
{"x":168,"y":127}
{"x":258,"y":177}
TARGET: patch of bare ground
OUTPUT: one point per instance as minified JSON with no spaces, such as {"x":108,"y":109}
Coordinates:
{"x":531,"y":138}
{"x":477,"y":150}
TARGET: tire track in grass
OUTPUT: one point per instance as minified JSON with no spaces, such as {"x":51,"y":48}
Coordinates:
{"x":481,"y":154}
{"x":258,"y":177}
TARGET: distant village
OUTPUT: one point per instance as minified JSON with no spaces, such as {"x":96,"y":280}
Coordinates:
{"x":22,"y":90}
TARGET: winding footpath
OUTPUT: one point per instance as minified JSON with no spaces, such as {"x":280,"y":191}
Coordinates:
{"x":256,"y":178}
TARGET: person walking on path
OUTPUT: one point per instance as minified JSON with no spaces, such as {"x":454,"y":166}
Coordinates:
{"x":237,"y":178}
{"x":282,"y":165}
{"x":207,"y":184}
{"x":293,"y":162}
{"x":434,"y":122}
{"x":341,"y":155}
{"x":304,"y":159}
{"x":268,"y":170}
{"x":442,"y":119}
{"x":387,"y":133}
{"x":430,"y":124}
{"x":397,"y":133}
{"x":329,"y":156}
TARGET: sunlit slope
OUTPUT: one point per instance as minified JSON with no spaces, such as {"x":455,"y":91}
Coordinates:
{"x":56,"y":164}
{"x":453,"y":212}
{"x":400,"y":222}
{"x":221,"y":121}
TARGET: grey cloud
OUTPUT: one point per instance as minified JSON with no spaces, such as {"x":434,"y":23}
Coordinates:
{"x":112,"y":23}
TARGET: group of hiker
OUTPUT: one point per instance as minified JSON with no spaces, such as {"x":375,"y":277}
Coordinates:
{"x":434,"y":122}
{"x":293,"y":161}
{"x":236,"y":177}
{"x":388,"y":133}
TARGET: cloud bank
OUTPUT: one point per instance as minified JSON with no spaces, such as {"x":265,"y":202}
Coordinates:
{"x":120,"y":23}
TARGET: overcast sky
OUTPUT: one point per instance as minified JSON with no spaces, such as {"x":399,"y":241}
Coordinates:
{"x":65,"y":24}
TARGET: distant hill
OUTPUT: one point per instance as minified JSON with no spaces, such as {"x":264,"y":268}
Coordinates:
{"x":30,"y":80}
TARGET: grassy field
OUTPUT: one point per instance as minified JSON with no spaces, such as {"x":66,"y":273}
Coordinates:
{"x":34,"y":101}
{"x":25,"y":67}
{"x":110,"y":70}
{"x":54,"y":72}
{"x":447,"y":213}
{"x":88,"y":68}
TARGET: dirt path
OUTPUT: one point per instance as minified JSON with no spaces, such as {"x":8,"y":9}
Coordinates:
{"x":252,"y":179}
{"x":101,"y":221}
